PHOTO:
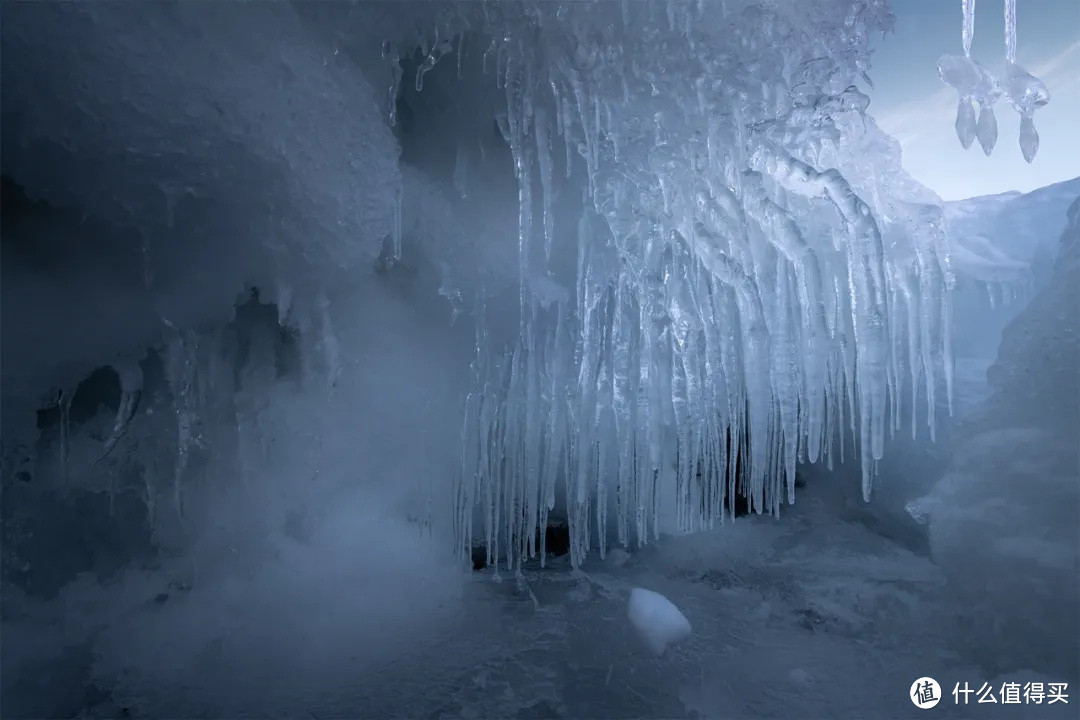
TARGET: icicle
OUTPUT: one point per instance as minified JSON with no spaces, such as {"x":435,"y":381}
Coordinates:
{"x":1029,"y":138}
{"x":147,"y":264}
{"x":396,"y":74}
{"x":460,"y":53}
{"x":328,"y":342}
{"x":543,"y":156}
{"x":396,"y":239}
{"x":131,"y":384}
{"x":1010,"y":31}
{"x":65,"y":435}
{"x":986,"y":129}
{"x":180,"y":374}
{"x":968,"y":8}
{"x":461,"y":177}
{"x":965,"y":122}
{"x":946,"y":341}
{"x":487,"y":53}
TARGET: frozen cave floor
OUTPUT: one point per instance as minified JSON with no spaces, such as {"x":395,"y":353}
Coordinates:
{"x":810,"y":616}
{"x":817,"y":614}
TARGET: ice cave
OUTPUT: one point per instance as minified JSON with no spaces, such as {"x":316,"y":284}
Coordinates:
{"x":529,"y":359}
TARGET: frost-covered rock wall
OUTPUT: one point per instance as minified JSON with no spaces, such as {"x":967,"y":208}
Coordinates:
{"x":160,"y":163}
{"x":211,"y":146}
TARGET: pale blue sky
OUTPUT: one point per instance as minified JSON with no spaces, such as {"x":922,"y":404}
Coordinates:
{"x":912,"y":104}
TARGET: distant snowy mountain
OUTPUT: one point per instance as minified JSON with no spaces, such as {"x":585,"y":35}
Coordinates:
{"x":997,"y":237}
{"x":1002,"y":249}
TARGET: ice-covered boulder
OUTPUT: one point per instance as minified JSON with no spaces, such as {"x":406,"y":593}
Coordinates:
{"x":656,"y":619}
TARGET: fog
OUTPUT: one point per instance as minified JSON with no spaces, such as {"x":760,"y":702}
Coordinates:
{"x":362,"y":359}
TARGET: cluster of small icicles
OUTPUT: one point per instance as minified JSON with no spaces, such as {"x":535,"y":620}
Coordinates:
{"x":976,"y":85}
{"x":734,"y":309}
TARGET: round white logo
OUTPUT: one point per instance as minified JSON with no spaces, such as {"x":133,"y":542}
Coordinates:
{"x":925,"y":693}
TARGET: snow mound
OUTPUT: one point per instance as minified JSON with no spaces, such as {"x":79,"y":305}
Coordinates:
{"x":658,"y":622}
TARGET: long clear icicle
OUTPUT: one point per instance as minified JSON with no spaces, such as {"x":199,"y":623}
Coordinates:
{"x":968,"y":31}
{"x":1010,"y":31}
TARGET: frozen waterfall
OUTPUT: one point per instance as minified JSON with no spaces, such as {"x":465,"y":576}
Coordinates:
{"x":752,"y":280}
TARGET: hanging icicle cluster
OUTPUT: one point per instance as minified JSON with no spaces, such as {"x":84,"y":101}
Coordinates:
{"x":973,"y":82}
{"x":742,"y":298}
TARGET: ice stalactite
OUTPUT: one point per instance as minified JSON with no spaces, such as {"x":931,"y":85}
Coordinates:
{"x":1026,"y":93}
{"x":967,"y":34}
{"x":181,"y":363}
{"x":973,"y":82}
{"x":64,"y":403}
{"x":1010,"y":31}
{"x":131,"y":385}
{"x":735,"y":308}
{"x":328,"y":341}
{"x":1006,"y":279}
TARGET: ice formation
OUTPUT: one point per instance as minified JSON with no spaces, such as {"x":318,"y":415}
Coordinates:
{"x":748,"y":286}
{"x":719,"y":269}
{"x":973,"y":82}
{"x":131,"y":382}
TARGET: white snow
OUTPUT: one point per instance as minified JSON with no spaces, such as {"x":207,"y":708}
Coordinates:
{"x":656,"y":619}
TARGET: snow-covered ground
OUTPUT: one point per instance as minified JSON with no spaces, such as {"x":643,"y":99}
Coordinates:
{"x":813,"y":615}
{"x":832,"y":610}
